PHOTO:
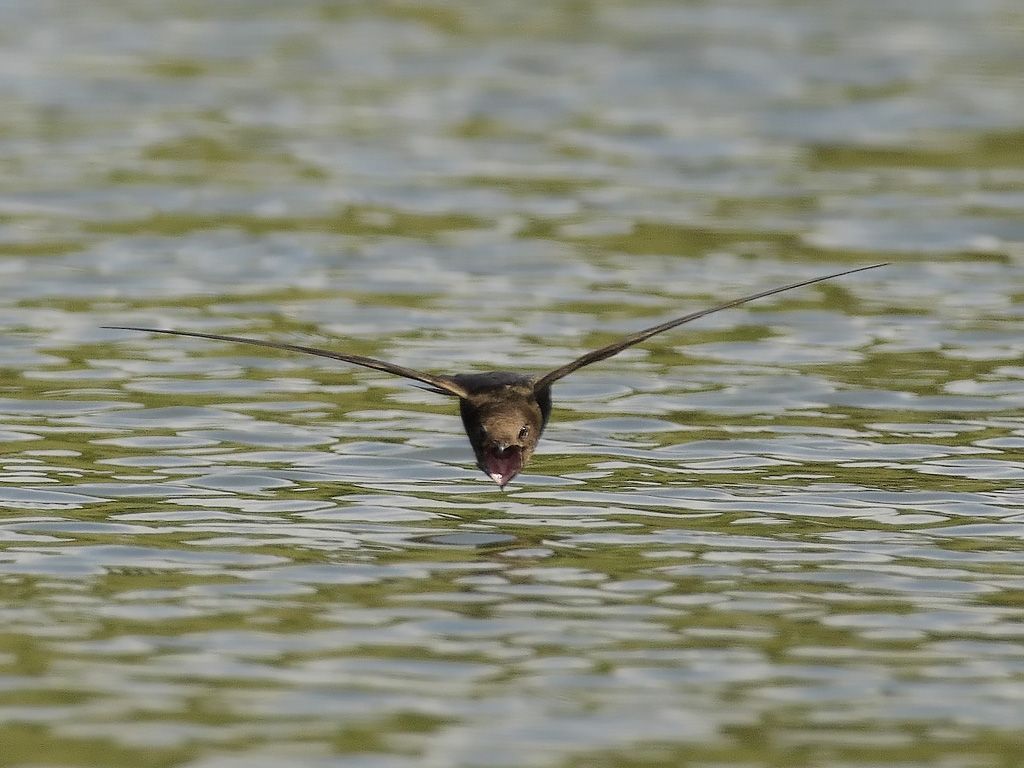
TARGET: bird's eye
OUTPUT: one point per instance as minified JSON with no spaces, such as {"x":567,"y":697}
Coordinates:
{"x":524,"y":432}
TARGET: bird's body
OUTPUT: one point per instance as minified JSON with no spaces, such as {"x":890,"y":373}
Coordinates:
{"x":504,"y":416}
{"x":504,"y":413}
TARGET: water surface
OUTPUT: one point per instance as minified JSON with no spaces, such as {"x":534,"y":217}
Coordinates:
{"x":789,"y":535}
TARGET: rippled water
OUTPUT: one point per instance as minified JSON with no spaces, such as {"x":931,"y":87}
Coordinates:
{"x":789,"y":535}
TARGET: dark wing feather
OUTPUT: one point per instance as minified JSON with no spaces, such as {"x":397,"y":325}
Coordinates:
{"x":440,"y":384}
{"x":614,"y":348}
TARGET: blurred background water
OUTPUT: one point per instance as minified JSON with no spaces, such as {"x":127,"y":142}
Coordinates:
{"x":789,"y":535}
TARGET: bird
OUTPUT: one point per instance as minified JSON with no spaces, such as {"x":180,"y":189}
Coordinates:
{"x":504,"y":413}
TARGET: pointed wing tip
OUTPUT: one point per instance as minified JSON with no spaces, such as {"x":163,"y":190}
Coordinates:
{"x":851,"y":271}
{"x":138,"y":328}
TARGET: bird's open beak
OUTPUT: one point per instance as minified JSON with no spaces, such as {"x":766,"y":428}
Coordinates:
{"x":502,"y":463}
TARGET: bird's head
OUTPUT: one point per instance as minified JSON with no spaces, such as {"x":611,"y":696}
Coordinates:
{"x":504,"y":432}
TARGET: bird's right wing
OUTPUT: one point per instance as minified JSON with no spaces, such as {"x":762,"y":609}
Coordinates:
{"x":440,"y":384}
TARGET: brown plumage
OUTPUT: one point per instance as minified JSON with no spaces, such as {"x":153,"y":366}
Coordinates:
{"x":503,"y":413}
